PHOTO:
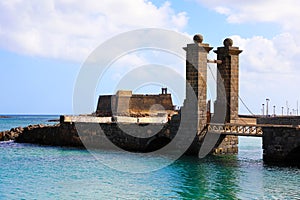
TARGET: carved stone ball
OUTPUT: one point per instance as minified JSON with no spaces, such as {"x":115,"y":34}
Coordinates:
{"x":198,"y":38}
{"x":228,"y":42}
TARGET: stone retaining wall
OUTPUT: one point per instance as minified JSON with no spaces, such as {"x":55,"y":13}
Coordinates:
{"x":281,"y":145}
{"x":150,"y":137}
{"x":93,"y":135}
{"x":285,"y":120}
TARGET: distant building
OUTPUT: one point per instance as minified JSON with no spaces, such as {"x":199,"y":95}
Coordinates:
{"x":124,"y":103}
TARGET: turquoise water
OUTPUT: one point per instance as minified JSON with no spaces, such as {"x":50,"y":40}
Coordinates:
{"x":24,"y":120}
{"x":41,"y":172}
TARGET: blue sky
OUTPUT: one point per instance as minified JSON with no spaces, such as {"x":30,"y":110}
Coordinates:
{"x":44,"y":44}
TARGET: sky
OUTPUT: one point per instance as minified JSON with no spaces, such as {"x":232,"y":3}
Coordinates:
{"x":44,"y":45}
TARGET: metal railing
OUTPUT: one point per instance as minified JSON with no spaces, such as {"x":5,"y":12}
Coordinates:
{"x":236,"y":129}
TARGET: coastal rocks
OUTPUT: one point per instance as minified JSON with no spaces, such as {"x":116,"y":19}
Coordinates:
{"x":5,"y":136}
{"x":12,"y":134}
{"x":4,"y":117}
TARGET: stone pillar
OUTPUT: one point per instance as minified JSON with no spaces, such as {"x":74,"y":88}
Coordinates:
{"x":227,"y":103}
{"x":196,"y":76}
{"x":228,"y":74}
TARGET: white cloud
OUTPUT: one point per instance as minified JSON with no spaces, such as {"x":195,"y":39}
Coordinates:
{"x":286,"y":13}
{"x":268,"y":55}
{"x":223,"y":10}
{"x":278,"y":54}
{"x":268,"y":66}
{"x":72,"y":29}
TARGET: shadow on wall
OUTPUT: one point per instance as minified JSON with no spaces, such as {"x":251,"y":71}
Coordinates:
{"x":157,"y":143}
{"x":293,"y":157}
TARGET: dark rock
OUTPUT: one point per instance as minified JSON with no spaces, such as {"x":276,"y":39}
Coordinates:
{"x":3,"y":117}
{"x":1,"y":136}
{"x":53,"y":120}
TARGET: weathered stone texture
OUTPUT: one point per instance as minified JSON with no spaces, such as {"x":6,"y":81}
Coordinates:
{"x":12,"y":134}
{"x":105,"y":135}
{"x":281,"y":145}
{"x":280,"y":120}
{"x":127,"y":104}
{"x":228,"y":80}
{"x":99,"y":136}
{"x":228,"y":145}
{"x":227,"y":93}
{"x":196,"y":77}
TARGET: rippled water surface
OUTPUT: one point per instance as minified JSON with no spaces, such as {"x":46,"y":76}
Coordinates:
{"x":40,"y":172}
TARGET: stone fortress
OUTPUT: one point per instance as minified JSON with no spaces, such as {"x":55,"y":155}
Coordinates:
{"x":146,"y":123}
{"x":127,"y":107}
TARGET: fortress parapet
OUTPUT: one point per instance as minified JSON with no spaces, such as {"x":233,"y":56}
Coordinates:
{"x":125,"y":103}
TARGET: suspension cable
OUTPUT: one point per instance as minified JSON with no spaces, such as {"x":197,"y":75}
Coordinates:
{"x":238,"y":94}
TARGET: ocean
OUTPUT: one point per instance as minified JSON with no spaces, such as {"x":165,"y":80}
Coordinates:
{"x":42,"y":172}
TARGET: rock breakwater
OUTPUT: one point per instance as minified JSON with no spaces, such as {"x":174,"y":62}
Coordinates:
{"x":11,"y":134}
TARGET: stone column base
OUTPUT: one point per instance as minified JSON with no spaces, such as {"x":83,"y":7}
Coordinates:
{"x":228,"y":145}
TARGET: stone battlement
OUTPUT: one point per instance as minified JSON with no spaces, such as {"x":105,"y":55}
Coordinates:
{"x":124,"y":103}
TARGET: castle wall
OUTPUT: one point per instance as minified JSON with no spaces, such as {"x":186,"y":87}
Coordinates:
{"x":105,"y":105}
{"x":155,"y":103}
{"x":125,"y":103}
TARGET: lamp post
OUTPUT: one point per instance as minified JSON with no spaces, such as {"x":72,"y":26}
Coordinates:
{"x":274,"y":111}
{"x":297,"y":108}
{"x":263,"y":109}
{"x":282,"y":110}
{"x":267,"y":107}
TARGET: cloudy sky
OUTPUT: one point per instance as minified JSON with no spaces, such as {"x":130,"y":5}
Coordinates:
{"x":44,"y":44}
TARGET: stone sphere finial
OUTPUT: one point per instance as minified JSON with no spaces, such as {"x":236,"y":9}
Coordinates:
{"x":228,"y":42}
{"x":198,"y":38}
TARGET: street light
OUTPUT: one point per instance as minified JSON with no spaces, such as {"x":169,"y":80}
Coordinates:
{"x":297,"y":108}
{"x":267,"y":107}
{"x":263,"y":109}
{"x":274,"y":111}
{"x":282,"y":110}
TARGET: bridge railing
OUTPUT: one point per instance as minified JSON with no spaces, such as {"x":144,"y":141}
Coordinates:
{"x":236,"y":129}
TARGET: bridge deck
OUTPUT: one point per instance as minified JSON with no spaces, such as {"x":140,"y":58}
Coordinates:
{"x":253,"y":130}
